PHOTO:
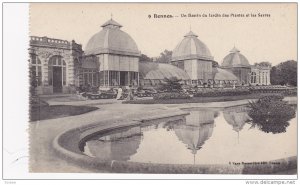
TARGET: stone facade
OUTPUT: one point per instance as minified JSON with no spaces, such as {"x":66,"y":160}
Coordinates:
{"x":44,"y":49}
{"x":260,"y":74}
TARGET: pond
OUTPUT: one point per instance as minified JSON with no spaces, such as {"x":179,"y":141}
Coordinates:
{"x":205,"y":136}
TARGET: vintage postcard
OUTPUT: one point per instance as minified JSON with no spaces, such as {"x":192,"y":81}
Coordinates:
{"x":163,"y":88}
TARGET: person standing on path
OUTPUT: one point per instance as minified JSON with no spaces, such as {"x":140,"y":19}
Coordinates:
{"x":119,"y":95}
{"x":130,"y":94}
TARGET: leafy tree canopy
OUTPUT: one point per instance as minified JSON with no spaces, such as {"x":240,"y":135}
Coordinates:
{"x":165,"y":57}
{"x":145,"y":58}
{"x":263,"y":64}
{"x":284,"y":73}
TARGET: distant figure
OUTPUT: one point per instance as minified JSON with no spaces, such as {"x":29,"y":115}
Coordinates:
{"x":119,"y":95}
{"x":130,"y":94}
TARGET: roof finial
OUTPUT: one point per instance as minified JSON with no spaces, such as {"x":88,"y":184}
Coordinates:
{"x":111,"y":16}
{"x":234,"y":49}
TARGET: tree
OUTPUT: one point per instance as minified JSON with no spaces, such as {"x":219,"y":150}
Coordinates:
{"x":284,"y":73}
{"x":267,"y":64}
{"x":271,"y":114}
{"x":145,"y":58}
{"x":165,"y":57}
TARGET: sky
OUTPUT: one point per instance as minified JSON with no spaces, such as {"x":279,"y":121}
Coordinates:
{"x":270,"y":38}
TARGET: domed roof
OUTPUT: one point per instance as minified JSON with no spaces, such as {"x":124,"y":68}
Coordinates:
{"x":159,"y":71}
{"x":194,"y":137}
{"x":222,"y":74}
{"x":191,"y":48}
{"x":236,"y":116}
{"x":235,"y":59}
{"x":111,"y":39}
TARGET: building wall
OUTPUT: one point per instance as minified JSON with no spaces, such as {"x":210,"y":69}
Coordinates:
{"x":109,"y":62}
{"x":204,"y":70}
{"x":190,"y":67}
{"x":112,"y":66}
{"x":198,"y":69}
{"x":45,"y":48}
{"x":260,"y":75}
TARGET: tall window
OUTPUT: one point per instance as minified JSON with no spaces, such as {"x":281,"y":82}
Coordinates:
{"x":253,"y":77}
{"x":36,"y":68}
{"x":57,"y":61}
{"x":114,"y":78}
{"x":134,"y":78}
{"x":90,"y":77}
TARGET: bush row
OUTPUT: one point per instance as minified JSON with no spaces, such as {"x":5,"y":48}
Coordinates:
{"x":170,"y":95}
{"x":292,"y":92}
{"x":221,"y":92}
{"x":285,"y":92}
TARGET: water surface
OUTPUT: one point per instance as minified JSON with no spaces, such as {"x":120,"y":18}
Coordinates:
{"x":206,"y":136}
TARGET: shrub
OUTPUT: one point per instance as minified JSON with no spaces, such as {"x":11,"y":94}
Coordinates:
{"x":221,"y":92}
{"x":265,"y":100}
{"x":171,"y":85}
{"x":170,"y":95}
{"x":271,"y":114}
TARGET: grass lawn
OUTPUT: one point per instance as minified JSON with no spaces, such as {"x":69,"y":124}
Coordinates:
{"x":57,"y":111}
{"x":199,"y":99}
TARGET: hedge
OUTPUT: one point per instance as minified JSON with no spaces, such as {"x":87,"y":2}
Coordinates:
{"x":170,"y":95}
{"x":221,"y":92}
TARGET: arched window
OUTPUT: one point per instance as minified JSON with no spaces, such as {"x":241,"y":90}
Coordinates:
{"x":36,"y":68}
{"x":57,"y":62}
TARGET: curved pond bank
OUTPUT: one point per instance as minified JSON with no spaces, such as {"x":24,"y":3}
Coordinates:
{"x":61,"y":153}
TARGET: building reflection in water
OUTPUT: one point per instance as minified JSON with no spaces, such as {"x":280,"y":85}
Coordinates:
{"x":119,"y":145}
{"x":195,"y":129}
{"x":237,"y":117}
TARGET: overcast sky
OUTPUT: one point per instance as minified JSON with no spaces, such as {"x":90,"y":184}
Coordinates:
{"x":272,"y":39}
